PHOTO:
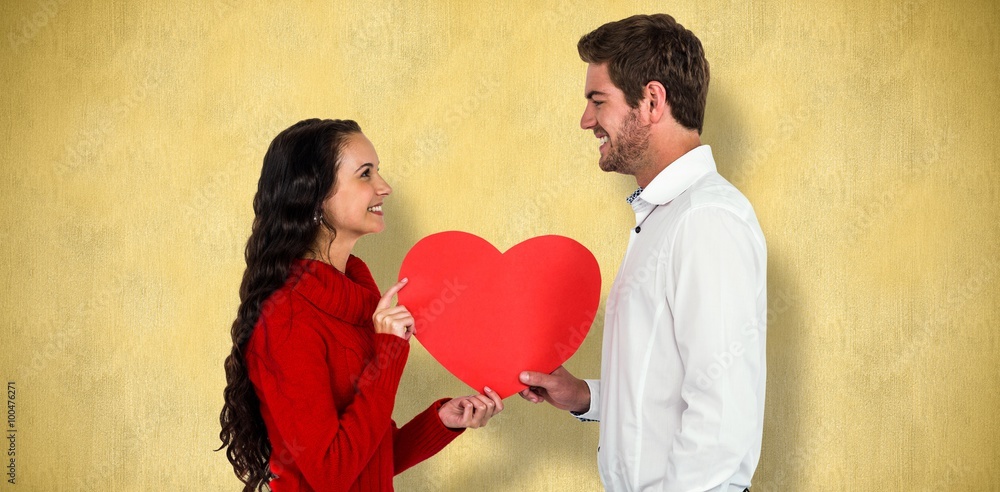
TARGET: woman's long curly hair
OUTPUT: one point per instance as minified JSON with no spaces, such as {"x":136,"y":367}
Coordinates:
{"x":298,"y":174}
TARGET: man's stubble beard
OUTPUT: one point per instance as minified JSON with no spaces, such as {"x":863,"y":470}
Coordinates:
{"x":627,"y":154}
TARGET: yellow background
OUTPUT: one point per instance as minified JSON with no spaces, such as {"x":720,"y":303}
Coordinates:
{"x":864,"y":133}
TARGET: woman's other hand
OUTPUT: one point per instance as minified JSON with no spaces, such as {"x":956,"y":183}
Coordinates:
{"x":393,"y":320}
{"x":470,"y":412}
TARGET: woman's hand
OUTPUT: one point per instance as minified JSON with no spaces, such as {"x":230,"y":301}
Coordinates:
{"x":393,"y":320}
{"x":470,"y":412}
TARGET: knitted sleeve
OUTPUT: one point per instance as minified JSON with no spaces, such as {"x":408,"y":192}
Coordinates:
{"x":421,"y":438}
{"x":330,"y":449}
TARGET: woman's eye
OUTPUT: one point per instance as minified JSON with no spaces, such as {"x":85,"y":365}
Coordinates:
{"x":366,"y":173}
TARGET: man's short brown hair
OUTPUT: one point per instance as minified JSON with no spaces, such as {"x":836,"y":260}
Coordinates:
{"x":643,"y":48}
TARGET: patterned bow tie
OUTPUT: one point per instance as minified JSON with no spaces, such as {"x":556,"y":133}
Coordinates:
{"x":635,"y":195}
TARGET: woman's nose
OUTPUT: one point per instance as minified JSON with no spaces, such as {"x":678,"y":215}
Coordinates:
{"x":383,"y":188}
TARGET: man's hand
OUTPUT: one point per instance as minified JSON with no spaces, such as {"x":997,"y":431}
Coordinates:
{"x":561,"y":389}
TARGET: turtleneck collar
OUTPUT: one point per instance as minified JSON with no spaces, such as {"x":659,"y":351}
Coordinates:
{"x":350,"y":296}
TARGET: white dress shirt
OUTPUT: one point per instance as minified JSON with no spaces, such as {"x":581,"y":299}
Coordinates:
{"x":681,"y":394}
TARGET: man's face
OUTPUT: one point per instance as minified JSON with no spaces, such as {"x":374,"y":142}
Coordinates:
{"x":622,"y":135}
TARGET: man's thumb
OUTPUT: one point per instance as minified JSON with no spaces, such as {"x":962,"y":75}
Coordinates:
{"x":532,"y":378}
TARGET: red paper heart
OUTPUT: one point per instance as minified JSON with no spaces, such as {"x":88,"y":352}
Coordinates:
{"x":487,"y":316}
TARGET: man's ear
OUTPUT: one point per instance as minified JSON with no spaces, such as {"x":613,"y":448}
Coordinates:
{"x":656,"y":99}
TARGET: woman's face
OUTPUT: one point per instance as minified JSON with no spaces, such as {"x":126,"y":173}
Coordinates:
{"x":355,"y":208}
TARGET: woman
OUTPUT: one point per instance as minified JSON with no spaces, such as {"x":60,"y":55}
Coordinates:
{"x":317,"y":355}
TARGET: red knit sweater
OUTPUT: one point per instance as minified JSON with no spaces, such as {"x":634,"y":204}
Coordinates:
{"x":327,"y":384}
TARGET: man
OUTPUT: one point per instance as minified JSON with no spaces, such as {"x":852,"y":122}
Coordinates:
{"x":681,"y":395}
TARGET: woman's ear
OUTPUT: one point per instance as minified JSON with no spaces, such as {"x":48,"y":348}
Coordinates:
{"x":656,"y":99}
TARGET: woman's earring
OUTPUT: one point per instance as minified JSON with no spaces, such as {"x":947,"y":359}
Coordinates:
{"x":318,"y":217}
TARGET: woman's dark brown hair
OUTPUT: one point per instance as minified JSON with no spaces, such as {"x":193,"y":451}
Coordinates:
{"x":298,"y":174}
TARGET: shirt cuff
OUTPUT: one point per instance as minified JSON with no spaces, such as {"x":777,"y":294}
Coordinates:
{"x":592,"y":414}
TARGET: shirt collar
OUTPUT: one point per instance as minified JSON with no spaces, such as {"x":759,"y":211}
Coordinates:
{"x":678,"y":176}
{"x":634,"y":195}
{"x":350,"y":296}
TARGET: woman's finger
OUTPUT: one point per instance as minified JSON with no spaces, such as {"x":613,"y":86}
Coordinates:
{"x":401,"y":322}
{"x":486,"y":405}
{"x":386,"y":299}
{"x":467,"y":412}
{"x":496,"y":400}
{"x":397,"y":321}
{"x":392,"y":311}
{"x":482,"y":412}
{"x":400,"y":316}
{"x":386,"y":319}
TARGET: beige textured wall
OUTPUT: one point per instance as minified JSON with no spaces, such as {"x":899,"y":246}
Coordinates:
{"x":864,"y":133}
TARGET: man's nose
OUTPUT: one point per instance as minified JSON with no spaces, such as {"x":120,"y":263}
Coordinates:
{"x":587,"y":121}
